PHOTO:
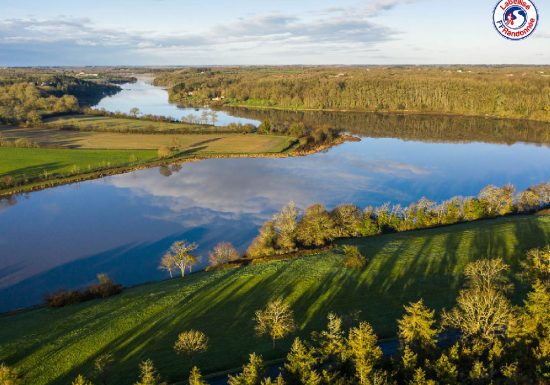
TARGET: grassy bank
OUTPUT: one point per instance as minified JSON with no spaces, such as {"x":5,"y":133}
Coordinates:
{"x":67,"y":156}
{"x":52,"y":345}
{"x":32,"y":163}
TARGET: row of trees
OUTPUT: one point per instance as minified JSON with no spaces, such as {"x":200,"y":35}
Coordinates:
{"x":483,"y":339}
{"x":180,"y":257}
{"x":468,"y":91}
{"x":288,"y":231}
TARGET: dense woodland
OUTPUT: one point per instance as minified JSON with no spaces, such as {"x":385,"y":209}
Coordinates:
{"x":289,"y":231}
{"x":517,"y":92}
{"x":26,"y":96}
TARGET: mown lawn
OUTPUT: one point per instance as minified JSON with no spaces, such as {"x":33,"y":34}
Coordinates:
{"x":50,"y":346}
{"x":30,"y":163}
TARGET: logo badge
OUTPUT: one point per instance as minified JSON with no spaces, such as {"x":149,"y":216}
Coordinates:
{"x":515,"y":19}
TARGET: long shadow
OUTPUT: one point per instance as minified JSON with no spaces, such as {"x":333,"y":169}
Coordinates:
{"x":201,"y":143}
{"x":32,"y":171}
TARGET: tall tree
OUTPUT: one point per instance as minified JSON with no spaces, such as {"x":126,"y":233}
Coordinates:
{"x":417,"y":328}
{"x":363,"y":351}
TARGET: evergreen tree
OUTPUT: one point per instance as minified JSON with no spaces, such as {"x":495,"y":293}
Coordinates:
{"x":363,"y":351}
{"x":300,"y":365}
{"x":252,"y":372}
{"x":195,"y":377}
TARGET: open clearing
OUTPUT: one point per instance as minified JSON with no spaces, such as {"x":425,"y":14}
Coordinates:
{"x":50,"y":346}
{"x":197,"y":143}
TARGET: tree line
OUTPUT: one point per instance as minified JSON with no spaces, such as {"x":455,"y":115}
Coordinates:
{"x":483,"y":339}
{"x":517,"y":92}
{"x":289,"y":231}
{"x":406,"y":126}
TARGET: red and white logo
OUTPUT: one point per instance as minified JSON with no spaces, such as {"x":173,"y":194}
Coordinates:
{"x":515,"y":19}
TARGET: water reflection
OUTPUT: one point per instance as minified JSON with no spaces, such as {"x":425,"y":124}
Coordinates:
{"x":122,"y":224}
{"x":153,"y":100}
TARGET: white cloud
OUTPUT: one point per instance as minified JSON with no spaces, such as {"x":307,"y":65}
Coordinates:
{"x":66,"y":40}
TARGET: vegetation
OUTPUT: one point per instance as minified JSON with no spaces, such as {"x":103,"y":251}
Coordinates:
{"x":426,"y":128}
{"x":455,"y":90}
{"x":495,"y":342}
{"x":191,"y":342}
{"x":223,"y":253}
{"x":27,"y":96}
{"x":353,"y":257}
{"x":179,"y":257}
{"x":287,"y":232}
{"x":22,"y":166}
{"x":103,"y":289}
{"x":53,"y":346}
{"x":276,"y":320}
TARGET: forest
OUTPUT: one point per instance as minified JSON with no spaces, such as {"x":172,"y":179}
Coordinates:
{"x":26,"y":96}
{"x":506,"y":92}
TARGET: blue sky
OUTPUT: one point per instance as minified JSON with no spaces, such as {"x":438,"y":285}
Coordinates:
{"x":190,"y":32}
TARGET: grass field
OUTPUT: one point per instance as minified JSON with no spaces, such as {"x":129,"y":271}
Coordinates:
{"x":50,"y":346}
{"x":30,"y":163}
{"x":98,"y":123}
{"x":197,"y":143}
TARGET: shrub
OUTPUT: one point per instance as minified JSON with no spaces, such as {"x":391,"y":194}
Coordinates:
{"x":103,"y":289}
{"x":7,"y":181}
{"x":353,"y":257}
{"x":164,"y":152}
{"x":64,"y":297}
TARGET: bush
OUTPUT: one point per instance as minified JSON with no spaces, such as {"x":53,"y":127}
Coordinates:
{"x":164,"y":152}
{"x":64,"y":297}
{"x":7,"y":181}
{"x":103,"y":289}
{"x":353,"y":257}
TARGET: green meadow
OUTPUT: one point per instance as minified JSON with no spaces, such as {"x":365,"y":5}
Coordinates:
{"x":51,"y":346}
{"x":32,"y":163}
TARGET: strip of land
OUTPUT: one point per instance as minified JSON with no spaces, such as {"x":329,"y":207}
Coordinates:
{"x":51,"y":346}
{"x":89,"y":147}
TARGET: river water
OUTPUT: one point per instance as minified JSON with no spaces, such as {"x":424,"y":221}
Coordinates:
{"x":121,"y":225}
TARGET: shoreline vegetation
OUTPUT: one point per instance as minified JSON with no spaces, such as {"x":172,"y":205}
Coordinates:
{"x":449,"y":90}
{"x":173,"y":159}
{"x":44,"y":101}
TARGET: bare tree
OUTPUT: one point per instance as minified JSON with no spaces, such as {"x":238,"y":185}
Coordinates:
{"x":190,"y":342}
{"x":167,"y":263}
{"x":180,"y":252}
{"x":276,"y":320}
{"x":482,"y":310}
{"x":101,"y":366}
{"x":223,"y":252}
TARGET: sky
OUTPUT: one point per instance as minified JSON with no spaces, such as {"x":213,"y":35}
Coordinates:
{"x":246,"y":32}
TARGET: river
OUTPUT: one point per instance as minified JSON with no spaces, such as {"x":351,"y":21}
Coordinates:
{"x":121,"y":225}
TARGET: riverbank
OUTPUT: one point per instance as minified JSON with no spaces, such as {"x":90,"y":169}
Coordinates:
{"x":381,"y":112}
{"x":83,"y":173}
{"x":51,"y":346}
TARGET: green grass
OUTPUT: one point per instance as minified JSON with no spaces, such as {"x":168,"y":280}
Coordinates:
{"x":31,"y":163}
{"x":50,"y":346}
{"x":110,"y":123}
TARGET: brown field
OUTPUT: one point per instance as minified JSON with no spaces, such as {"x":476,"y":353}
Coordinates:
{"x":207,"y":143}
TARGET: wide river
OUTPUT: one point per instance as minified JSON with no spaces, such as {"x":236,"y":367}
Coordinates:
{"x":121,"y":225}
